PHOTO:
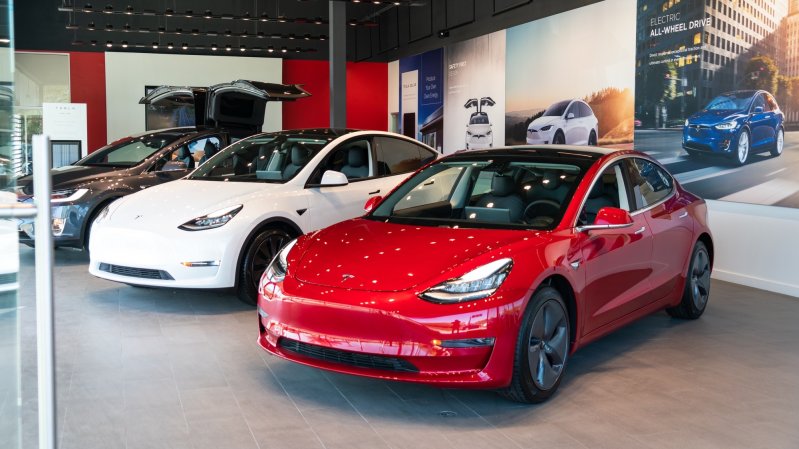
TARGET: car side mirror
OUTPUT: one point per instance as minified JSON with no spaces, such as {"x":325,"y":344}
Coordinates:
{"x":174,"y":166}
{"x":570,"y":115}
{"x":758,"y":109}
{"x":371,"y":203}
{"x":609,"y":218}
{"x":332,"y":178}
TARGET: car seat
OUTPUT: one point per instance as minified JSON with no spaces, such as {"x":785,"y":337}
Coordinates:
{"x":184,"y":155}
{"x":299,"y":157}
{"x":357,"y":160}
{"x":208,"y":150}
{"x":550,"y":188}
{"x":503,"y":195}
{"x":598,"y":198}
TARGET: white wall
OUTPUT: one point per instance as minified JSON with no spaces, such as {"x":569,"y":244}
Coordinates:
{"x":127,"y":74}
{"x":756,"y":245}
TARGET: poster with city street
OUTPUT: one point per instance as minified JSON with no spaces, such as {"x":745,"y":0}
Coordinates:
{"x":717,"y":96}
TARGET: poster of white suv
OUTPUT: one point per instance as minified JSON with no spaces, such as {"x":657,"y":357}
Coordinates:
{"x":569,"y":122}
{"x":478,"y":131}
{"x":222,"y":224}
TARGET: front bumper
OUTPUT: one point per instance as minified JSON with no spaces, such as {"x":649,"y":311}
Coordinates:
{"x":540,"y":137}
{"x":708,"y":139}
{"x":479,"y":142}
{"x":391,"y":335}
{"x":67,"y":226}
{"x":157,"y":258}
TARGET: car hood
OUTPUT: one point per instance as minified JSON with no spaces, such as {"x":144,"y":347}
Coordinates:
{"x":707,"y":117}
{"x":363,"y":254}
{"x":179,"y":201}
{"x":73,"y":176}
{"x":544,"y":121}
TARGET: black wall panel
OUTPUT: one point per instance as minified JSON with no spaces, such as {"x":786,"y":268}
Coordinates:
{"x":459,"y":12}
{"x":420,"y":20}
{"x":504,"y":5}
{"x":388,"y":24}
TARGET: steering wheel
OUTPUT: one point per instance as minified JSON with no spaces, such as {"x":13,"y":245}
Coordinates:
{"x":541,"y":212}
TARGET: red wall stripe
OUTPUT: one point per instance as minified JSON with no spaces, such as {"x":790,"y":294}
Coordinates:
{"x":87,"y":85}
{"x":367,"y":95}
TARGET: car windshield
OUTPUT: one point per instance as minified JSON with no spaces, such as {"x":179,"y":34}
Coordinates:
{"x":731,"y":101}
{"x":557,"y":109}
{"x":480,"y":119}
{"x":130,"y":152}
{"x":505,"y":192}
{"x":274,"y":158}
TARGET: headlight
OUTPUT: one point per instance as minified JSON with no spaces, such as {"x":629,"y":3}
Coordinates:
{"x":276,"y":271}
{"x":546,"y":128}
{"x":67,"y":195}
{"x":479,"y":283}
{"x":488,"y":133}
{"x":213,"y":220}
{"x":468,"y":133}
{"x":727,"y":125}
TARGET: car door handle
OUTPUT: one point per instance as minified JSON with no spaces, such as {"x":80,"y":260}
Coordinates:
{"x":641,"y":230}
{"x":374,"y":193}
{"x":683,"y":215}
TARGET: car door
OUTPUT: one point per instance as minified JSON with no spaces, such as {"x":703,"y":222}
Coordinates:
{"x":616,"y":262}
{"x":159,"y":172}
{"x":572,"y":125}
{"x":774,"y":114}
{"x":759,"y":121}
{"x":666,"y":214}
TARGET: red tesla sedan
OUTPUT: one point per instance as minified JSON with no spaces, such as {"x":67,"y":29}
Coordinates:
{"x":489,"y":268}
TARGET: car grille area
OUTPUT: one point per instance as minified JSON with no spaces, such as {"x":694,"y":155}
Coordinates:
{"x":143,"y":273}
{"x":356,"y":359}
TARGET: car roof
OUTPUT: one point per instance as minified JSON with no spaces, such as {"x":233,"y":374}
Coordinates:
{"x":577,"y":150}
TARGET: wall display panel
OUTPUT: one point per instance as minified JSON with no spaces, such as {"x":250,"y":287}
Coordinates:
{"x":421,"y":95}
{"x":475,"y":93}
{"x":699,"y":67}
{"x":570,"y":81}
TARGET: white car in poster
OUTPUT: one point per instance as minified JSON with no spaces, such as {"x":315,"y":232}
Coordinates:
{"x":569,"y":122}
{"x":221,"y":225}
{"x":478,"y":131}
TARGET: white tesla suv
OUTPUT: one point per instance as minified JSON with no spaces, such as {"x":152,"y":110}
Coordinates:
{"x":221,"y":225}
{"x":570,"y":122}
{"x":478,"y":131}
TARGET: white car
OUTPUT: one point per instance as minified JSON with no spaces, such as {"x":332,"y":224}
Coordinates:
{"x":221,"y":225}
{"x":478,"y":131}
{"x":9,"y":248}
{"x":570,"y":122}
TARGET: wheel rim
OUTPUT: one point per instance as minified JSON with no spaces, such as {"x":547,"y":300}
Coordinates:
{"x":780,"y":141}
{"x":264,"y":253}
{"x":700,"y":279}
{"x":549,"y":344}
{"x":743,"y":147}
{"x":558,"y":139}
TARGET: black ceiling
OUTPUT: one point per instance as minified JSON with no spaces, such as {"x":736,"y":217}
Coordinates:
{"x":377,"y":30}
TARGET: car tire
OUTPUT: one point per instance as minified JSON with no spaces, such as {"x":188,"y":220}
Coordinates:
{"x":558,"y":138}
{"x":697,"y":286}
{"x":779,"y":143}
{"x":592,"y":139}
{"x":743,"y":147}
{"x":693,"y":154}
{"x":532,"y":381}
{"x":257,"y":256}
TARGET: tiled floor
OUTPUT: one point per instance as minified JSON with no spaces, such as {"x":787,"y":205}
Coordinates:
{"x":142,"y":368}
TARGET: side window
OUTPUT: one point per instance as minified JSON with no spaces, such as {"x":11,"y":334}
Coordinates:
{"x":585,"y":110}
{"x":759,"y":102}
{"x":192,"y":153}
{"x":608,"y":190}
{"x":649,"y":183}
{"x":353,"y":158}
{"x":202,"y":149}
{"x":574,"y":109}
{"x":396,"y":156}
{"x":771,"y":103}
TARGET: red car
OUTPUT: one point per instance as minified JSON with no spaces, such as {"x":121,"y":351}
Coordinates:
{"x":487,"y":269}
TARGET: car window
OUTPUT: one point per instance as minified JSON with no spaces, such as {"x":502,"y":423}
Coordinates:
{"x":585,"y":110}
{"x":396,"y":156}
{"x":574,"y":109}
{"x":556,"y":109}
{"x":608,"y":190}
{"x":129,"y":153}
{"x":759,"y":102}
{"x":771,"y":103}
{"x":353,"y":158}
{"x":191,"y":154}
{"x":649,"y":183}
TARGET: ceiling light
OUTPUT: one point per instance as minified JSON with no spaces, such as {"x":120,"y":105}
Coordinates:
{"x":228,"y":48}
{"x":124,"y":44}
{"x":189,"y":13}
{"x":108,"y":9}
{"x":208,"y":14}
{"x":170,"y":46}
{"x":129,"y":10}
{"x":213,"y":47}
{"x":155,"y":45}
{"x":185,"y":46}
{"x":242,"y":48}
{"x":270,"y":49}
{"x":91,"y":26}
{"x":284,"y":49}
{"x":169,"y":12}
{"x":109,"y":44}
{"x":87,"y":7}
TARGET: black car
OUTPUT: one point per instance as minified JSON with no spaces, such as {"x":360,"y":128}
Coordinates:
{"x":224,"y":113}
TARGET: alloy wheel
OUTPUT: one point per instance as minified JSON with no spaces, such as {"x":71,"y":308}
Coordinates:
{"x":780,"y":141}
{"x":700,"y":279}
{"x":264,"y":253}
{"x":549,"y":344}
{"x":743,"y":147}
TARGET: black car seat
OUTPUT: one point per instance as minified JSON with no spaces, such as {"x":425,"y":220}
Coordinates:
{"x":299,"y":157}
{"x":357,"y":160}
{"x":208,"y":150}
{"x":598,"y":198}
{"x":503,"y":195}
{"x":550,"y":188}
{"x":184,"y":155}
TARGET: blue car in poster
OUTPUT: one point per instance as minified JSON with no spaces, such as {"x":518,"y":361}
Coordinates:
{"x":736,"y":124}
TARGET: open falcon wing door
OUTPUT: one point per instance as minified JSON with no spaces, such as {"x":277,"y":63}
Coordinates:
{"x":486,"y":101}
{"x":471,"y":103}
{"x":238,"y":106}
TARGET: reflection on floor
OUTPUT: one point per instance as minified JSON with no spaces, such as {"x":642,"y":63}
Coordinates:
{"x":145,"y":368}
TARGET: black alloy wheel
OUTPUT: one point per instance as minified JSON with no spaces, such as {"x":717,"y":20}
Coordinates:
{"x":697,"y":286}
{"x":258,"y":256}
{"x":592,"y":139}
{"x":559,"y":138}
